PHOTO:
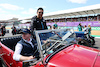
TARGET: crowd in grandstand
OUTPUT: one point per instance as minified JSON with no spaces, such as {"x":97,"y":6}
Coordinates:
{"x":76,"y":19}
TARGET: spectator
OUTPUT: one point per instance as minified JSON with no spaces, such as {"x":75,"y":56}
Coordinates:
{"x":85,"y":29}
{"x":80,"y":27}
{"x":13,"y":30}
{"x":3,"y":30}
{"x":55,"y":26}
{"x":89,"y":30}
{"x":50,"y":27}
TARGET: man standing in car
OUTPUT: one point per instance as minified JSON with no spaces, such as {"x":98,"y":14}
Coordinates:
{"x":38,"y":22}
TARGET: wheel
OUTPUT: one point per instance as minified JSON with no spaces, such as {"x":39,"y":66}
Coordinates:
{"x":92,"y":41}
{"x":84,"y":42}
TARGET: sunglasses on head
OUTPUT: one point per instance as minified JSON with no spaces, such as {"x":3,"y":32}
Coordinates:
{"x":41,"y":12}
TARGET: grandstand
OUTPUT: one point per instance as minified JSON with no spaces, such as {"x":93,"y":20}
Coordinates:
{"x":10,"y":21}
{"x":78,"y":14}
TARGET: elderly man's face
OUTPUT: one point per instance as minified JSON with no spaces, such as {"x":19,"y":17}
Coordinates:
{"x":40,"y":13}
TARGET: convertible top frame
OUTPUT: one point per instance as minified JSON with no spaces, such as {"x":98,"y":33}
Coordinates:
{"x":37,"y":32}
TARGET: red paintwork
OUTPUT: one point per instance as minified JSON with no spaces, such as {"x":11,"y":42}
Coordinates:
{"x":97,"y":62}
{"x":75,"y":56}
{"x":8,"y":56}
{"x":72,"y":56}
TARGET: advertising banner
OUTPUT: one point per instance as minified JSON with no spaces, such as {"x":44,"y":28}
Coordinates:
{"x":74,"y":24}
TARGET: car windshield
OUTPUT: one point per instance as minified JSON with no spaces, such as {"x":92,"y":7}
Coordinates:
{"x":51,"y":40}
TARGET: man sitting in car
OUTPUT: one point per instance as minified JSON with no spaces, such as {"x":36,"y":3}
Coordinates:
{"x":25,"y":48}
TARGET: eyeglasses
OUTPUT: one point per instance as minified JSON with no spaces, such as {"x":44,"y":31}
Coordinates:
{"x":41,"y":12}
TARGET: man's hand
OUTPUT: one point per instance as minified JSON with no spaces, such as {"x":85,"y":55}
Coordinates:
{"x":30,"y":57}
{"x":23,"y":58}
{"x":44,"y":41}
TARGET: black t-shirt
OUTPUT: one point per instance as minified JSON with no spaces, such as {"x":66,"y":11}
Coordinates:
{"x":38,"y":24}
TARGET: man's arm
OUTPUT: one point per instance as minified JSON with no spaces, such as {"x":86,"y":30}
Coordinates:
{"x":23,"y":58}
{"x":17,"y":52}
{"x":45,"y":26}
{"x":17,"y":56}
{"x":33,"y":23}
{"x":33,"y":26}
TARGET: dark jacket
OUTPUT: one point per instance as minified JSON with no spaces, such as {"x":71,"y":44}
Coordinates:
{"x":36,"y":23}
{"x":27,"y":49}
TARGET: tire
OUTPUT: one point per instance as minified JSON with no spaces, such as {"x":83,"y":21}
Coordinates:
{"x":92,"y":41}
{"x":85,"y":43}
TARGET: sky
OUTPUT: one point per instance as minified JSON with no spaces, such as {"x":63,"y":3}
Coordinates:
{"x":27,"y":8}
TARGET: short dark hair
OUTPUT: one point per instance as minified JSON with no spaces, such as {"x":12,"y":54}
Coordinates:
{"x":39,"y":9}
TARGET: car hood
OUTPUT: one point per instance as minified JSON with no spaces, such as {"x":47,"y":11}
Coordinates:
{"x":75,"y":56}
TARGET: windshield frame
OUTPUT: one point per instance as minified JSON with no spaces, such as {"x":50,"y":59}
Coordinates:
{"x":37,"y":32}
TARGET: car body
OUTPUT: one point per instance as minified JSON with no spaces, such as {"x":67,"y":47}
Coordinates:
{"x":75,"y":56}
{"x":56,"y":50}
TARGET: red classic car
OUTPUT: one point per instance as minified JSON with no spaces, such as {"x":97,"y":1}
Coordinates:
{"x":56,"y":49}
